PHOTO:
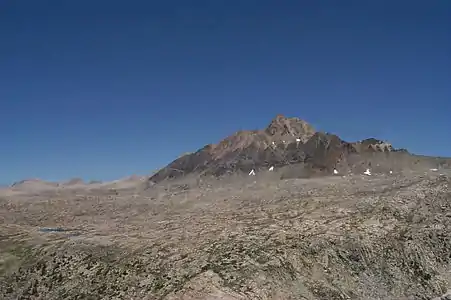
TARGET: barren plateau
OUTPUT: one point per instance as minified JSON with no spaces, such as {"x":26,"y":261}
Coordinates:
{"x":385,"y":236}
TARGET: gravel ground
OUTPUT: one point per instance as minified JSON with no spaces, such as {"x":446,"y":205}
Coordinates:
{"x":352,"y":237}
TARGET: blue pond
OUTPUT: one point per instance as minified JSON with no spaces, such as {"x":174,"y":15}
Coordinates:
{"x":53,"y":229}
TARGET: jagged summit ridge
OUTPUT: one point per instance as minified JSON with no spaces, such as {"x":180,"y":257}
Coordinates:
{"x":290,"y":127}
{"x":285,"y":141}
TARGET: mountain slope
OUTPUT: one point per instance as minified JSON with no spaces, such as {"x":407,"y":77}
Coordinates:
{"x":285,"y":141}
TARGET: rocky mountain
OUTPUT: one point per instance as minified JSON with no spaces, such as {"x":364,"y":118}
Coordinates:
{"x":285,"y":141}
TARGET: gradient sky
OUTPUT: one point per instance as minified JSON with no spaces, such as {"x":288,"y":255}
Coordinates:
{"x":105,"y":89}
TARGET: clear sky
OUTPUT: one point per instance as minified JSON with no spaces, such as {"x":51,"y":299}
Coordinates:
{"x":105,"y":89}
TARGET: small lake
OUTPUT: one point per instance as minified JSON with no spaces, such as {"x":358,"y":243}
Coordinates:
{"x":57,"y":229}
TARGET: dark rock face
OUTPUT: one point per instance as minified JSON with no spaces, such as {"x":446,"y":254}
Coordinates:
{"x":324,"y":151}
{"x":286,"y":141}
{"x":195,"y":162}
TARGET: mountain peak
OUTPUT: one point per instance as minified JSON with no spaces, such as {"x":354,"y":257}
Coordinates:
{"x":285,"y":141}
{"x":295,"y":127}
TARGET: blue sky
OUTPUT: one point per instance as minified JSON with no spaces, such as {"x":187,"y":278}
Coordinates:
{"x":105,"y":89}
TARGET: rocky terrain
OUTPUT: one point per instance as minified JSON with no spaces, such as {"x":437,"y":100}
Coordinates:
{"x":205,"y":229}
{"x":354,"y":237}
